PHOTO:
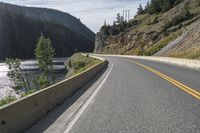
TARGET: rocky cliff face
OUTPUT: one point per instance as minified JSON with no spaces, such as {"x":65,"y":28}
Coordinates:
{"x":127,"y":42}
{"x":20,"y":28}
{"x":100,"y":41}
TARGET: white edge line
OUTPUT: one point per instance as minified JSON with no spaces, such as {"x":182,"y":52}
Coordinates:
{"x":81,"y":110}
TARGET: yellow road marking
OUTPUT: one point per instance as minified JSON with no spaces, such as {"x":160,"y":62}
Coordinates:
{"x":171,"y":80}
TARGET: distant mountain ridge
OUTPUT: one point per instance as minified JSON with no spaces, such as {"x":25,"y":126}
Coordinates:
{"x":21,"y":26}
{"x":52,"y":15}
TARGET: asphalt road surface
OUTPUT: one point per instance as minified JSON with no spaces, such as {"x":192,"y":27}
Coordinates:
{"x":137,"y":96}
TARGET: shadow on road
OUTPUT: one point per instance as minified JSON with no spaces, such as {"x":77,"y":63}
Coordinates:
{"x":47,"y":120}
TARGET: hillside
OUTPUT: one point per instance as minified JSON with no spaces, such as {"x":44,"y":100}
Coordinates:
{"x":21,"y":26}
{"x":185,"y":46}
{"x":149,"y":32}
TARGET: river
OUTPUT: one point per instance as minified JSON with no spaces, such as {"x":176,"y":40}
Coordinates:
{"x":29,"y":66}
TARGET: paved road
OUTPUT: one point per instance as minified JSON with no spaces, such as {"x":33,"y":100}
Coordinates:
{"x":139,"y":96}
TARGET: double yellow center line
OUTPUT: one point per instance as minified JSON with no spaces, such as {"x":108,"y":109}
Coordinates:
{"x":171,"y":80}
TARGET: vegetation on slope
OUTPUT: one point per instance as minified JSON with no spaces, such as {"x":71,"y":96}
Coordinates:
{"x":154,"y":25}
{"x":188,"y":45}
{"x":157,"y":6}
{"x":7,"y":100}
{"x":161,"y":44}
{"x":79,"y":63}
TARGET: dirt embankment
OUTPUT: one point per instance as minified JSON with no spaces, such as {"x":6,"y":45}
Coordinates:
{"x":185,"y":46}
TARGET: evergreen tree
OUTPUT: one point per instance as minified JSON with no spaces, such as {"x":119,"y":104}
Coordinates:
{"x":118,"y":19}
{"x":186,"y":10}
{"x":140,"y":10}
{"x":44,"y":53}
{"x":147,"y":6}
{"x":161,"y":5}
{"x":155,"y":6}
{"x":166,"y":5}
{"x":15,"y":74}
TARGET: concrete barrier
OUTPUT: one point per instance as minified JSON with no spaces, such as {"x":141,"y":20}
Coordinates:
{"x":18,"y":116}
{"x":195,"y":64}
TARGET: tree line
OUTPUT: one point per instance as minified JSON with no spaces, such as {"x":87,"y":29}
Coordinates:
{"x":156,"y":6}
{"x":119,"y":25}
{"x":152,"y":6}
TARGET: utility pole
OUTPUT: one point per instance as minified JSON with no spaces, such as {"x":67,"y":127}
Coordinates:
{"x":123,"y":15}
{"x":126,"y":15}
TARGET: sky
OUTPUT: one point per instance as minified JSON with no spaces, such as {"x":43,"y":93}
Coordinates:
{"x":92,"y":13}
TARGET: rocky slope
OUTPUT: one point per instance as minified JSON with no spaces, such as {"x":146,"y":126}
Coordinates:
{"x":185,"y":46}
{"x":147,"y":34}
{"x":20,"y":28}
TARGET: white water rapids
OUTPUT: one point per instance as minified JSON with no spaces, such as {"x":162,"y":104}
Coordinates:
{"x":28,"y":65}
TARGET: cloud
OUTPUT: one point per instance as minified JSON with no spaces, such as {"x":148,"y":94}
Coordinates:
{"x":91,"y":12}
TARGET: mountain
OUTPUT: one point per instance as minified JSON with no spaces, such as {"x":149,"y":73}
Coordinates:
{"x":20,"y":27}
{"x":162,"y":28}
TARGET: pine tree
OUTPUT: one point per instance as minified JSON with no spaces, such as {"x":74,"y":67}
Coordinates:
{"x":166,"y":5}
{"x":140,"y":10}
{"x":147,"y":6}
{"x":118,"y":19}
{"x":44,"y":53}
{"x":161,"y":5}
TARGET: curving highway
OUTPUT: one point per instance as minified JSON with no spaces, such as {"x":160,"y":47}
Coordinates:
{"x":133,"y":96}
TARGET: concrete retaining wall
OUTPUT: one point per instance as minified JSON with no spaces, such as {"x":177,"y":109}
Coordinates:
{"x":195,"y":64}
{"x":18,"y":116}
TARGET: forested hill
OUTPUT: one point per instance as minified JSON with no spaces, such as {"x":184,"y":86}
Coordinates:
{"x":21,"y":26}
{"x":159,"y":23}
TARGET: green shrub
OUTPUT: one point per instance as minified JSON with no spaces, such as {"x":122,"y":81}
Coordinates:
{"x":114,"y":30}
{"x":69,"y":63}
{"x":105,"y":29}
{"x":28,"y":92}
{"x":153,"y":21}
{"x":181,"y":17}
{"x":15,"y":74}
{"x":79,"y":64}
{"x":7,"y":100}
{"x":161,"y":44}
